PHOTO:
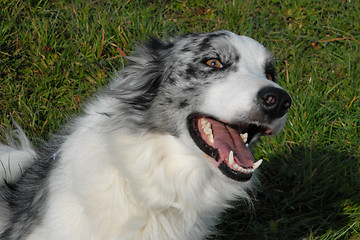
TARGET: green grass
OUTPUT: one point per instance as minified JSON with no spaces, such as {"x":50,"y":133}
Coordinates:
{"x":55,"y":54}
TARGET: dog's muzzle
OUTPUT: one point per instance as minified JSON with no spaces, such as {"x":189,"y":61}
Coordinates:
{"x":227,"y":143}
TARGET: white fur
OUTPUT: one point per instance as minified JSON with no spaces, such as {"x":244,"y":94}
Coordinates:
{"x":136,"y":187}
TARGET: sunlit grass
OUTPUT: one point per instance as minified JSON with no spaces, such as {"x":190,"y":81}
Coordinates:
{"x":55,"y":54}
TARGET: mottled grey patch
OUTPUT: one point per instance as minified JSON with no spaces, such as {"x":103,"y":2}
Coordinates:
{"x":171,"y":80}
{"x":191,"y":71}
{"x":161,"y":74}
{"x":183,"y":104}
{"x":26,"y":199}
{"x":190,"y":89}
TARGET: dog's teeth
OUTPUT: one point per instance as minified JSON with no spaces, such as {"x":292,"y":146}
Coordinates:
{"x":203,"y":122}
{"x":231,"y":158}
{"x":237,"y":167}
{"x":257,"y":164}
{"x":244,"y":136}
{"x":210,"y":138}
{"x":207,"y":128}
{"x":205,"y":125}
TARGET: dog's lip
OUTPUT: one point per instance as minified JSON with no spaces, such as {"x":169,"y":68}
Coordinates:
{"x":225,"y":142}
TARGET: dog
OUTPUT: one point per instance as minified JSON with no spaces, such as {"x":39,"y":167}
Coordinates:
{"x":158,"y":153}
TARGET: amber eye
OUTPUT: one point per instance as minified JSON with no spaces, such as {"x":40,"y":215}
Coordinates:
{"x":214,"y":63}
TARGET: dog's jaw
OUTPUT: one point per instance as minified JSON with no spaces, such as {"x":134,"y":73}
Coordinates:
{"x":226,"y":145}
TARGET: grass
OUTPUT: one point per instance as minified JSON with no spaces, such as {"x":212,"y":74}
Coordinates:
{"x":55,"y":54}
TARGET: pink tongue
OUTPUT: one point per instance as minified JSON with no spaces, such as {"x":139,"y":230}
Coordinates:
{"x":226,"y":139}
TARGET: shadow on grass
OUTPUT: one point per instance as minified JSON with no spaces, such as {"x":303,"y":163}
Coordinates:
{"x":305,"y":191}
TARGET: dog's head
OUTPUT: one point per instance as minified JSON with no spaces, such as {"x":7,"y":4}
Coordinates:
{"x":215,"y":91}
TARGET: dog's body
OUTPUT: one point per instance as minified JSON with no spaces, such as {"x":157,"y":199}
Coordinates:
{"x":156,"y":155}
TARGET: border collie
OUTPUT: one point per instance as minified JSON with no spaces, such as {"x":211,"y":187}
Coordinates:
{"x":157,"y":154}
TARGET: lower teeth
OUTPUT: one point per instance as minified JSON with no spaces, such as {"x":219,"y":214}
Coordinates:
{"x":231,"y":158}
{"x":235,"y":166}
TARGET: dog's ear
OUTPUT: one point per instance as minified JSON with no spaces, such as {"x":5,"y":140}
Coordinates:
{"x":138,"y":83}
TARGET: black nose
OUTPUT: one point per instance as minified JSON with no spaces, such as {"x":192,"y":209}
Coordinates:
{"x":274,"y":102}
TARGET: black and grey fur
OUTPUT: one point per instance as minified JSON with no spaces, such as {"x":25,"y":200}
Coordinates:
{"x":175,"y":69}
{"x":128,"y":168}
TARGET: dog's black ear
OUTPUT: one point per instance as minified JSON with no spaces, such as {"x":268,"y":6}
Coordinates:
{"x":157,"y":47}
{"x":138,"y":83}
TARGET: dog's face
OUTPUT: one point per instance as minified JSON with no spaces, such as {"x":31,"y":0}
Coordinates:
{"x":216,"y":92}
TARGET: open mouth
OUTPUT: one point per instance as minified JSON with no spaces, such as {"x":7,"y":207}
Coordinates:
{"x":227,"y":144}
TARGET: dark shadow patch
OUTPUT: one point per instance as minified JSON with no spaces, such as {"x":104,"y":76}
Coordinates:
{"x":297,"y":198}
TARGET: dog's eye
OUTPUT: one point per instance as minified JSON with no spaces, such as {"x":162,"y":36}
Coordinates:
{"x":214,"y":63}
{"x":270,"y":72}
{"x":269,"y":76}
